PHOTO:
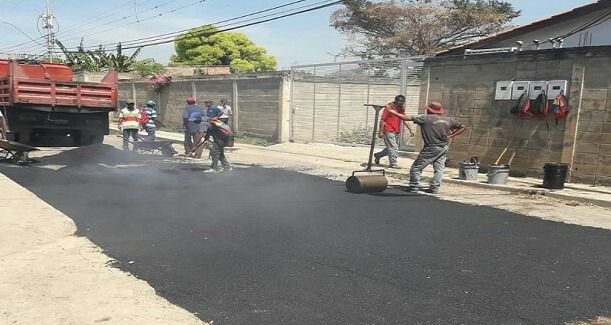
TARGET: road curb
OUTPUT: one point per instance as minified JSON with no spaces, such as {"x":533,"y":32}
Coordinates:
{"x":511,"y":189}
{"x":507,"y":188}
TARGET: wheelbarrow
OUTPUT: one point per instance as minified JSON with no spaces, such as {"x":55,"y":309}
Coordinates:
{"x":153,"y":147}
{"x":15,"y":152}
{"x":163,"y":147}
{"x":370,"y":182}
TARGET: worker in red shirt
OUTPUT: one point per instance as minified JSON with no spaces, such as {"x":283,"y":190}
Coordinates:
{"x":390,"y":131}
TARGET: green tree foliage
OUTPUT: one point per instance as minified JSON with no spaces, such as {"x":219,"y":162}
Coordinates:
{"x":418,"y":27}
{"x":99,"y":59}
{"x":148,"y":67}
{"x":206,"y":46}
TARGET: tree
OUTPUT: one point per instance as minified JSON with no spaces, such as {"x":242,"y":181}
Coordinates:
{"x":120,"y":62}
{"x":418,"y":27}
{"x":148,"y":67}
{"x":99,"y":59}
{"x":205,"y":45}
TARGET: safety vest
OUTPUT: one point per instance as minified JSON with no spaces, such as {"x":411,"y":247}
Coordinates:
{"x":130,"y":119}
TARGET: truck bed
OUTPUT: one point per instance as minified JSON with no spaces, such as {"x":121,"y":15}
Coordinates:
{"x":54,"y":93}
{"x":39,"y":85}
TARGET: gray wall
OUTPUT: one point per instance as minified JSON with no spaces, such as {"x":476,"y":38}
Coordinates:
{"x":593,"y":36}
{"x":466,"y":85}
{"x":255,"y":98}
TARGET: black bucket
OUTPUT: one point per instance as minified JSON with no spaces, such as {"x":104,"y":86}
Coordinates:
{"x":554,"y":176}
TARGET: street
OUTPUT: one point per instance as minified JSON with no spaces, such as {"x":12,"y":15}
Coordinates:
{"x":270,"y":246}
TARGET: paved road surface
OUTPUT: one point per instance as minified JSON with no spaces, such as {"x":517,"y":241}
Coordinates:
{"x":260,"y":246}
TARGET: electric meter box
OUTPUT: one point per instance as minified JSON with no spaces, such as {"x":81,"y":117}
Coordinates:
{"x":503,"y":90}
{"x":518,"y":88}
{"x":554,"y":87}
{"x":536,"y":88}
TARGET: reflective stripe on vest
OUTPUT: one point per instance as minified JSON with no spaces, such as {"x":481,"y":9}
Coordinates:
{"x":130,"y":119}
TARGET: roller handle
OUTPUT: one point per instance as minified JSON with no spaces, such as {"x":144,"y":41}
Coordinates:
{"x":370,"y":171}
{"x":377,"y":108}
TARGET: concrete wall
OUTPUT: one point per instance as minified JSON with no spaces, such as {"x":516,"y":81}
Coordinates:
{"x":325,"y":111}
{"x":257,"y":100}
{"x":465,"y":86}
{"x":185,"y":71}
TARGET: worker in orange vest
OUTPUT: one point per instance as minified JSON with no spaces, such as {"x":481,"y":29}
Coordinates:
{"x":129,"y":123}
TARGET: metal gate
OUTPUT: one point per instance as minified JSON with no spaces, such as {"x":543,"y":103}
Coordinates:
{"x":327,"y":99}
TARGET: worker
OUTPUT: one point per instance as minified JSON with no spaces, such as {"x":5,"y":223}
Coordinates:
{"x":129,"y":123}
{"x":149,"y":120}
{"x":2,"y":126}
{"x":390,"y":131}
{"x":437,"y":131}
{"x":198,"y":138}
{"x":220,"y":133}
{"x":212,"y":111}
{"x":227,"y":113}
{"x":192,"y":122}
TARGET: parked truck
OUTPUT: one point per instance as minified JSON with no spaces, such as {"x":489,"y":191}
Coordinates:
{"x":41,"y":101}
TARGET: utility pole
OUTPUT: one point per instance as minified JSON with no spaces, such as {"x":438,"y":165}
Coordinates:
{"x":48,"y":23}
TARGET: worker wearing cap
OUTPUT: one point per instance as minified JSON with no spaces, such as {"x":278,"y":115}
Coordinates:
{"x":212,"y":111}
{"x":194,"y":130}
{"x":390,"y":131}
{"x":226,"y":110}
{"x":149,"y":123}
{"x":436,"y":132}
{"x":129,"y":123}
{"x":220,"y":133}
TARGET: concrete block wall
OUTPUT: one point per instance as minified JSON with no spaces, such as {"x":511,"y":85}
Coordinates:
{"x":255,"y":98}
{"x":323,"y":110}
{"x":593,"y":137}
{"x":466,"y":85}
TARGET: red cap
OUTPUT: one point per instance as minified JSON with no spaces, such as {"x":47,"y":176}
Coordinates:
{"x":191,"y":100}
{"x":434,"y":108}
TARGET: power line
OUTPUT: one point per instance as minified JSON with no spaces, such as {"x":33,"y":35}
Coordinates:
{"x":14,"y":47}
{"x":221,"y":26}
{"x":74,"y":30}
{"x":21,"y":31}
{"x":124,"y":18}
{"x":605,"y":16}
{"x":173,"y":35}
{"x":219,"y":22}
{"x":241,"y":26}
{"x":170,"y":37}
{"x":117,"y":10}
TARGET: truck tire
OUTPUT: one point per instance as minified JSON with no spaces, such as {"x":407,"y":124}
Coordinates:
{"x":80,"y":138}
{"x":96,"y":139}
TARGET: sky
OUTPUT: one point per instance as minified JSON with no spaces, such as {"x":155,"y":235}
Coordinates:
{"x":300,"y":39}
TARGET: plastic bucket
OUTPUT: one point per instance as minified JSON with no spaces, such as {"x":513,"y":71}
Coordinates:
{"x":498,"y":174}
{"x":554,"y":176}
{"x":468,"y":171}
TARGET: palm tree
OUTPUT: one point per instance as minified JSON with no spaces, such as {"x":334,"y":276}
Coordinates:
{"x":98,"y":59}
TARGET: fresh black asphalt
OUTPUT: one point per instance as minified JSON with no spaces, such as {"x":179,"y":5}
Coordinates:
{"x":263,"y":246}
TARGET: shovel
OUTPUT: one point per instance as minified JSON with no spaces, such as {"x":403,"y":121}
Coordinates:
{"x":182,"y":160}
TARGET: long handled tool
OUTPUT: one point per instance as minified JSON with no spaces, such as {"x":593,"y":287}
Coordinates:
{"x":183,"y":159}
{"x":369,"y":183}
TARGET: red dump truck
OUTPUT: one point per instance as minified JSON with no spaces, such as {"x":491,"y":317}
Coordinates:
{"x":40,"y":100}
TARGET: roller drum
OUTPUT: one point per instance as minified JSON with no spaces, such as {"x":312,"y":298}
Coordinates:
{"x":366,"y":183}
